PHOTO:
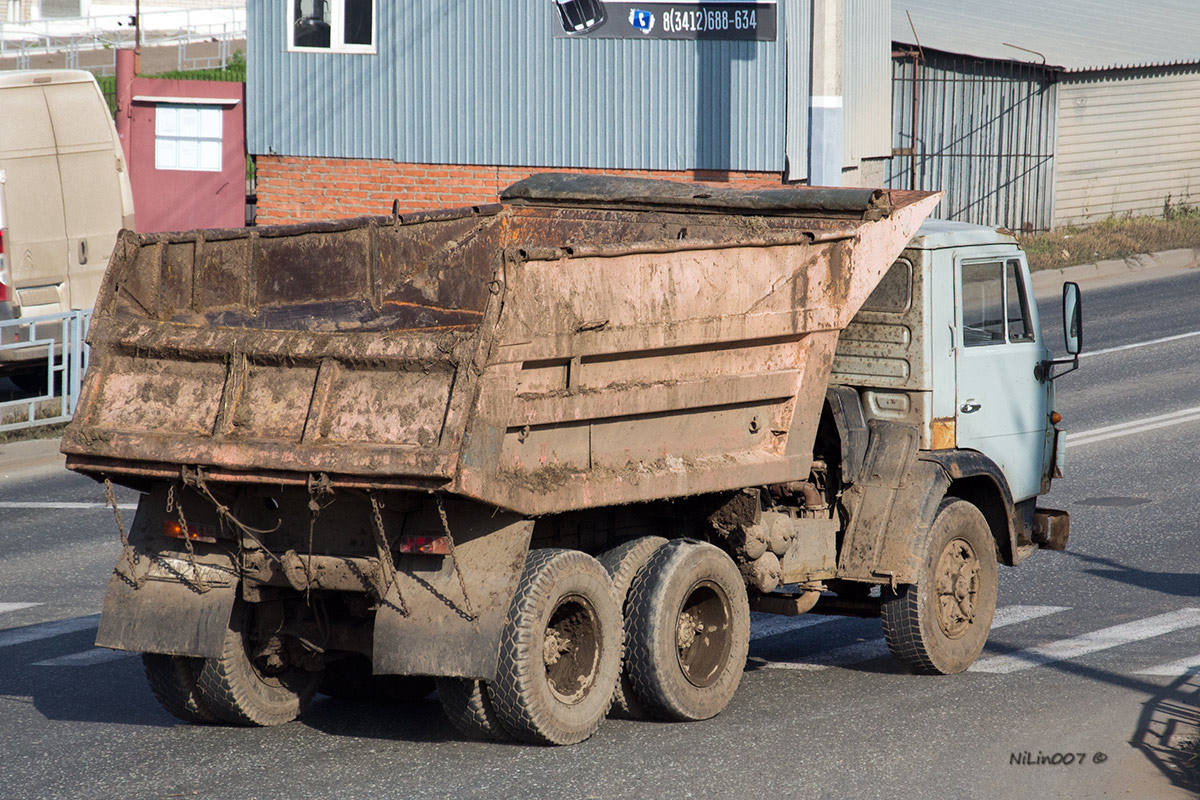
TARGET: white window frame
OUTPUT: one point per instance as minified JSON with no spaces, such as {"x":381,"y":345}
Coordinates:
{"x":199,"y":137}
{"x":337,"y":30}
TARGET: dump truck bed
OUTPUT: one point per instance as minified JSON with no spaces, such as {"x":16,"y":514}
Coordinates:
{"x":588,"y":341}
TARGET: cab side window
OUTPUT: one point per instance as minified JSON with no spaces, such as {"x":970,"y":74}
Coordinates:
{"x":995,"y":308}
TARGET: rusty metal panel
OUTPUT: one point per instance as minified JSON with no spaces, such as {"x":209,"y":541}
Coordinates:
{"x":565,"y":351}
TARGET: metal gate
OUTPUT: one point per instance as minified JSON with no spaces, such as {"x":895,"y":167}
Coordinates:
{"x":984,"y":132}
{"x":51,"y":349}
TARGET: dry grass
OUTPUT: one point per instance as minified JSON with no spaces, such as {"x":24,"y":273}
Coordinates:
{"x":1117,"y":237}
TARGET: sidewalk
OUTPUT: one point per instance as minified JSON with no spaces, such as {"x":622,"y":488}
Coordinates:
{"x":1127,"y":270}
{"x":19,"y":459}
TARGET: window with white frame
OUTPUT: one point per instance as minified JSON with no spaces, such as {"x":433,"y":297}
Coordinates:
{"x":187,"y":137}
{"x":332,"y":26}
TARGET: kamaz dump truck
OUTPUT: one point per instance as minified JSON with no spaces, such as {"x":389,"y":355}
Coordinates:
{"x":551,"y":452}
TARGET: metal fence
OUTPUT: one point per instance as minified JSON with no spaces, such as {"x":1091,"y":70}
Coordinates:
{"x":982,"y":131}
{"x":73,"y":36}
{"x":56,"y":346}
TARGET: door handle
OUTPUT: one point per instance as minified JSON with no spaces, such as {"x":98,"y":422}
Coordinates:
{"x":970,"y":408}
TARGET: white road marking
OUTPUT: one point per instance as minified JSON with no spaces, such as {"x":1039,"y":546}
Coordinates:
{"x":1183,"y":666}
{"x":1133,"y":426}
{"x":47,"y":630}
{"x":62,"y":506}
{"x":1136,"y":345}
{"x":1092,"y":642}
{"x":16,"y":606}
{"x":876,"y":648}
{"x":85,"y":658}
{"x":774,"y":624}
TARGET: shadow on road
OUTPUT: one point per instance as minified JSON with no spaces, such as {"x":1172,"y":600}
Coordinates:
{"x":1179,"y":584}
{"x":1168,"y":732}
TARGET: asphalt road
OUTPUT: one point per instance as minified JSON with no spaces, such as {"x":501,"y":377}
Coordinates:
{"x":1089,"y":661}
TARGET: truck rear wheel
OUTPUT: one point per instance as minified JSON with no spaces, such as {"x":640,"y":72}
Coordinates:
{"x":242,"y":691}
{"x":172,"y":679}
{"x":689,"y":631}
{"x":623,"y":563}
{"x":468,"y":705}
{"x":939,"y":625}
{"x":560,"y":653}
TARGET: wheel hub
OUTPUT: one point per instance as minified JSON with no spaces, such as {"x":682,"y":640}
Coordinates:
{"x":957,"y":581}
{"x":571,"y":649}
{"x":703,"y":637}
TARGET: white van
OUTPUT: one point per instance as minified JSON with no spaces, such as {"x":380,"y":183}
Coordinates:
{"x":64,"y":195}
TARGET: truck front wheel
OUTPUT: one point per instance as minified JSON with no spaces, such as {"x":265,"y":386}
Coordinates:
{"x":939,"y":625}
{"x":689,"y":631}
{"x":560,"y":653}
{"x":241,"y":691}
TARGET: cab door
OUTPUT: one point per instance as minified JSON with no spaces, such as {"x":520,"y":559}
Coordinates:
{"x":1002,"y":405}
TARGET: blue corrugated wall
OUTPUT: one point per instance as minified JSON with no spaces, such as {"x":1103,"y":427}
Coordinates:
{"x":484,"y":82}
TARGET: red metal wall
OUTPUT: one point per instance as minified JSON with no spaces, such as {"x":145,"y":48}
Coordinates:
{"x":171,"y":200}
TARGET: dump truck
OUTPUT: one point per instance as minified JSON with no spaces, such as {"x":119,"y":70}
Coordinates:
{"x":548,"y":454}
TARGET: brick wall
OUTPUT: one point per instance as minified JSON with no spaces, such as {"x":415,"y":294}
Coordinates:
{"x":293,"y":189}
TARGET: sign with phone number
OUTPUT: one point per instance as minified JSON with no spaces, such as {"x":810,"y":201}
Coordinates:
{"x":716,"y":19}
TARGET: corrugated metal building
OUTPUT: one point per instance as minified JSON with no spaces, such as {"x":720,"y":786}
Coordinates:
{"x":1035,"y":115}
{"x":485,"y":87}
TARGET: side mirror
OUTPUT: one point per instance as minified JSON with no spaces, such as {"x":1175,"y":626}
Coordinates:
{"x":1073,"y":318}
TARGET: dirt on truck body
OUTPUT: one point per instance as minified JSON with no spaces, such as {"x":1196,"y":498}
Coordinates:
{"x":434,"y":444}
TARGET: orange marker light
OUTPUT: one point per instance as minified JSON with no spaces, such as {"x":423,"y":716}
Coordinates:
{"x":197,"y":533}
{"x":1055,"y":417}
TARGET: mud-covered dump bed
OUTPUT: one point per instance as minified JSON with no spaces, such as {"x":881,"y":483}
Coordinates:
{"x":588,"y":341}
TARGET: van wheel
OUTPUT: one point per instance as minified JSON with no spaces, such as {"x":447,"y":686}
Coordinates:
{"x":623,"y":563}
{"x":560,"y":653}
{"x":468,"y":706}
{"x":939,"y":625}
{"x":244,"y":691}
{"x":172,"y":679}
{"x":689,"y":631}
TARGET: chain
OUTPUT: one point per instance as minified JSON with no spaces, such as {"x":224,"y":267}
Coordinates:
{"x":462,"y":584}
{"x":129,"y":555}
{"x":385,"y":556}
{"x":201,"y":586}
{"x":224,"y":515}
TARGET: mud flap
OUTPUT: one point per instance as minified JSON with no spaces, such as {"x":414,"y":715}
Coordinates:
{"x":426,"y":625}
{"x":161,"y":600}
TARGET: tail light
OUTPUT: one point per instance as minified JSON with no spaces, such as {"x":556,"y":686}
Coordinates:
{"x":5,"y":280}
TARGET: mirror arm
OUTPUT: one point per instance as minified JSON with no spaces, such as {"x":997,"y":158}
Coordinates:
{"x":1044,"y":371}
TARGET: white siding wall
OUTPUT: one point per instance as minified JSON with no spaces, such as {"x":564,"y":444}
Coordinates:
{"x":1125,"y":142}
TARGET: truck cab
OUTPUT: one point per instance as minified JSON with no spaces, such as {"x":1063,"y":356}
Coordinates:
{"x":950,"y":344}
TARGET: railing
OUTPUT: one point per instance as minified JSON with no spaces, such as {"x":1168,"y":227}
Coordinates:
{"x":74,"y":35}
{"x":59,"y":339}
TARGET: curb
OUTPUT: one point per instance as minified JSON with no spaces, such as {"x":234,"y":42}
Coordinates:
{"x":1132,"y":269}
{"x":30,"y":455}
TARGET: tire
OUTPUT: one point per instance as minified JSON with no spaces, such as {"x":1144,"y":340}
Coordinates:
{"x":560,"y":653}
{"x":689,"y":631}
{"x":468,"y":705}
{"x":240,"y":692}
{"x":939,"y":625}
{"x":623,"y":563}
{"x":172,"y":679}
{"x":351,"y":678}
